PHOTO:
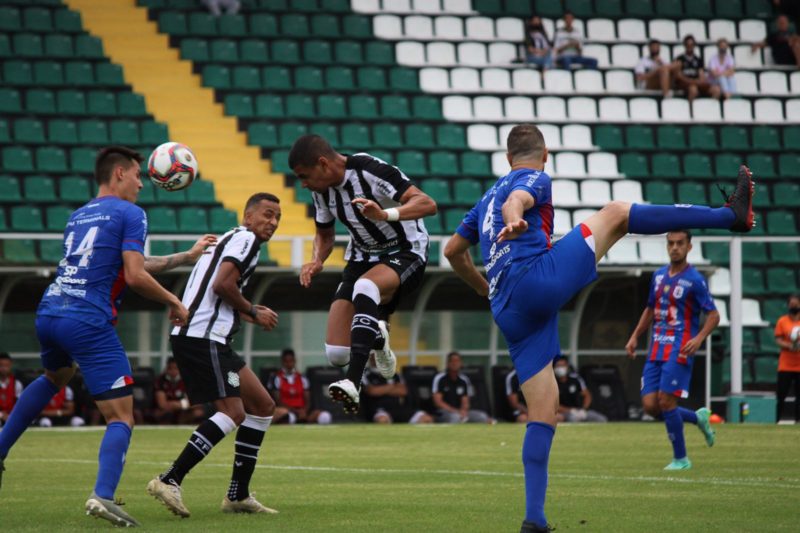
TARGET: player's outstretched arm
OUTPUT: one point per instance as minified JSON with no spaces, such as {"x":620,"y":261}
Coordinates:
{"x":712,"y":321}
{"x":457,"y":252}
{"x":513,"y":210}
{"x":414,"y":204}
{"x":155,"y":264}
{"x":644,"y":323}
{"x":143,"y":283}
{"x":226,"y":286}
{"x":323,"y":246}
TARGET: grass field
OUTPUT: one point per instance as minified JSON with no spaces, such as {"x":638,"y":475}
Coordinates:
{"x":440,"y":478}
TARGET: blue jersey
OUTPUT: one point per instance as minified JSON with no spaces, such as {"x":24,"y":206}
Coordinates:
{"x":485,"y":220}
{"x":90,"y":278}
{"x":677,"y":302}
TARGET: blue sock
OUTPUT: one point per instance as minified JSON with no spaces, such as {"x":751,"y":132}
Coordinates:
{"x":674,"y":423}
{"x":33,"y":399}
{"x":655,"y":219}
{"x":535,"y":456}
{"x":687,"y":415}
{"x":112,"y":458}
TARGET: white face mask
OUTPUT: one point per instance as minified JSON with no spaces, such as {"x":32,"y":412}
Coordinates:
{"x":561,"y":371}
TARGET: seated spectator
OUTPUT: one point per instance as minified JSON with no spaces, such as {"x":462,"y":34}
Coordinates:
{"x":569,"y":44}
{"x":784,"y":43}
{"x":651,"y":71}
{"x":690,"y":76}
{"x":538,"y":49}
{"x":574,"y":397}
{"x":215,"y":7}
{"x":721,"y":69}
{"x":172,"y":404}
{"x":60,"y":411}
{"x":451,"y":391}
{"x":515,"y":398}
{"x":292,"y":396}
{"x":385,"y":400}
{"x":10,"y":387}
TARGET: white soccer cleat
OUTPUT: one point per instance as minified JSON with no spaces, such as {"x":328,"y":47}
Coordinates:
{"x":168,"y":494}
{"x":108,"y":510}
{"x":248,"y":505}
{"x":346,"y":393}
{"x":385,"y":361}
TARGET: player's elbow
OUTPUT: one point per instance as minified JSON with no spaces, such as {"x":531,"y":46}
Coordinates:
{"x":452,"y":249}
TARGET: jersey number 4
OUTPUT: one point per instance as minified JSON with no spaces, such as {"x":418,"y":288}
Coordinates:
{"x":85,"y":247}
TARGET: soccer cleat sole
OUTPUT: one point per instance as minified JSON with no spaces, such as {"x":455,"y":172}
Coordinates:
{"x":339,"y":395}
{"x":745,"y":217}
{"x":96,"y":509}
{"x":153,"y":491}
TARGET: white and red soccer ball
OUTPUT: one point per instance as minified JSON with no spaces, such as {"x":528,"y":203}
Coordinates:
{"x":172,"y":166}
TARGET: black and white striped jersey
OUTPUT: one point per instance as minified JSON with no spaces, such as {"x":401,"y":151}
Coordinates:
{"x":369,"y":177}
{"x":209,"y":316}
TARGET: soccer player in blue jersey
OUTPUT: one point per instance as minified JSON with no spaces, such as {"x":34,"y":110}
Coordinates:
{"x":103,"y":253}
{"x":529,"y":278}
{"x":678,"y":296}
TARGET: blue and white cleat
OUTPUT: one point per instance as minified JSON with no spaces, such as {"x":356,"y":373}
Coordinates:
{"x":704,"y":425}
{"x":679,"y":464}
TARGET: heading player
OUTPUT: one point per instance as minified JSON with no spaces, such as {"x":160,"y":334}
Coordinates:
{"x":678,"y":297}
{"x":386,"y":256}
{"x":103,"y":252}
{"x":530,"y":279}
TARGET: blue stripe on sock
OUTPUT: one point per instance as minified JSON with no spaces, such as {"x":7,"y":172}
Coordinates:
{"x":535,"y":456}
{"x":655,"y":219}
{"x":34,"y":398}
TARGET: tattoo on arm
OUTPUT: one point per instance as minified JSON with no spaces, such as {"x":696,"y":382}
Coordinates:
{"x":161,"y":263}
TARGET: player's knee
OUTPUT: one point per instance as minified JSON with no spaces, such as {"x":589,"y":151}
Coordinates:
{"x":666,"y":403}
{"x":368,"y":288}
{"x":617,"y":213}
{"x":337,"y":355}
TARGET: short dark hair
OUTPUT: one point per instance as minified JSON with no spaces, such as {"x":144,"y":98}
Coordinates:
{"x":307,"y":150}
{"x":259,"y":197}
{"x":170,"y":360}
{"x":287,"y":352}
{"x":452,"y":354}
{"x":568,"y":12}
{"x":112,"y":157}
{"x":686,"y":39}
{"x":653,"y":41}
{"x":525,"y":140}
{"x":4,"y":355}
{"x":684,"y":231}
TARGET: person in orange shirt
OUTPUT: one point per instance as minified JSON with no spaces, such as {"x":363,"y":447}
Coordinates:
{"x":787,"y":335}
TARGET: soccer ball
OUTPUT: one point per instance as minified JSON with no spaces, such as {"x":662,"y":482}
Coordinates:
{"x":794,"y":336}
{"x":172,"y":166}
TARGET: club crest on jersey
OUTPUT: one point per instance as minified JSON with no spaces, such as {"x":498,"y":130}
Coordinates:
{"x":666,"y":289}
{"x":233,"y":379}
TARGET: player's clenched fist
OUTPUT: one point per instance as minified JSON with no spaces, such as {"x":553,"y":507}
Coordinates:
{"x":308,"y":271}
{"x":178,"y":314}
{"x":370,"y":209}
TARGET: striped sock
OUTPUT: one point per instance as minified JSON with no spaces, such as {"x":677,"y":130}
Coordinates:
{"x":205,"y":437}
{"x":248,"y":442}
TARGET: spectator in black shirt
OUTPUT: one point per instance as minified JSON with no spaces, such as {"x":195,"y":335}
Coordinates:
{"x":386,"y":400}
{"x":785,"y":45}
{"x":451,"y":392}
{"x":515,"y":398}
{"x":574,"y":397}
{"x":689,"y":74}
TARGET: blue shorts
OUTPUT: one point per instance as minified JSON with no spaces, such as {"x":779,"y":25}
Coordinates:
{"x":542,"y":285}
{"x":97,"y":350}
{"x":667,"y":376}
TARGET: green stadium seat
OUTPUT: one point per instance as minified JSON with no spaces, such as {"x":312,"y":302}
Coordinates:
{"x":634,"y":165}
{"x":419,"y":136}
{"x":443,"y":163}
{"x":39,"y":189}
{"x":269,"y":106}
{"x":395,"y":107}
{"x":412,"y":163}
{"x":727,"y":165}
{"x":372,"y":79}
{"x":666,"y":166}
{"x":239,"y":105}
{"x":703,"y":138}
{"x":451,"y":136}
{"x":124,"y":132}
{"x":522,"y":8}
{"x":702,"y":9}
{"x":383,"y":155}
{"x":363,"y":107}
{"x":753,"y":282}
{"x":758,"y":9}
{"x":5,"y":134}
{"x":356,"y":136}
{"x":9,"y":100}
{"x":452,"y":219}
{"x":74,"y":189}
{"x":147,"y":195}
{"x":285,"y":52}
{"x":232,"y":26}
{"x":669,"y":138}
{"x":326,"y":130}
{"x":781,"y":223}
{"x":294,"y":25}
{"x":762,"y":165}
{"x":734,"y":138}
{"x":787,"y":194}
{"x":27,"y":45}
{"x":202,"y":24}
{"x":641,"y":9}
{"x":426,"y":108}
{"x":17,"y":73}
{"x":9,"y":189}
{"x":172,"y":23}
{"x":93,"y":132}
{"x":331,"y":106}
{"x":672,"y":9}
{"x":262,"y":134}
{"x":609,"y":137}
{"x":279,"y":159}
{"x":49,"y":73}
{"x":339,"y":79}
{"x":304,"y":6}
{"x":357,"y":27}
{"x":201,"y":193}
{"x":51,"y":251}
{"x":388,"y":136}
{"x":580,"y":8}
{"x":308,"y":79}
{"x":761,"y":197}
{"x":316,"y":53}
{"x":224,"y":51}
{"x":109,"y":75}
{"x":692,"y":192}
{"x":20,"y":251}
{"x":276,"y":78}
{"x":3,"y":225}
{"x":57,"y":217}
{"x":82,"y":160}
{"x":101,"y":103}
{"x":791,"y":137}
{"x":781,"y":280}
{"x":784,"y":252}
{"x":160,"y":248}
{"x":245,"y":78}
{"x":51,"y":159}
{"x":717,"y":252}
{"x":488,"y":7}
{"x":764,"y":138}
{"x":216,"y":76}
{"x":17,"y":159}
{"x":40,"y":101}
{"x":609,"y":8}
{"x":29,"y":131}
{"x":403,"y":79}
{"x":349,"y":53}
{"x":263,"y":25}
{"x":192,"y":220}
{"x":67,"y":21}
{"x":755,"y":253}
{"x":58,"y":45}
{"x":434,"y":226}
{"x":766,"y":368}
{"x":10,"y":19}
{"x":288,"y":132}
{"x":697,"y":166}
{"x":26,"y":218}
{"x":89,"y":47}
{"x":439,"y":190}
{"x":788,"y":165}
{"x":335,"y":6}
{"x":153,"y":133}
{"x":475,"y":164}
{"x":772,"y":309}
{"x":161,"y":220}
{"x":325,"y":26}
{"x":379,"y":53}
{"x":78,"y":73}
{"x":301,"y":194}
{"x":253,"y":51}
{"x":467,"y":191}
{"x":222,"y":220}
{"x":37,"y":19}
{"x":659,"y":192}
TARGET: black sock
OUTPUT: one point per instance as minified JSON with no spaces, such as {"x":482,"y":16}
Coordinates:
{"x":205,"y":437}
{"x":248,"y":441}
{"x":362,"y":336}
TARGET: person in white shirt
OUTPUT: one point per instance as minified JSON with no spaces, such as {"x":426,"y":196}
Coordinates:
{"x":721,"y":69}
{"x":651,"y":71}
{"x":569,"y":45}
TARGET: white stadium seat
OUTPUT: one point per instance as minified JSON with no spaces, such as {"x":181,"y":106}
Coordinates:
{"x":675,"y":110}
{"x":722,"y":307}
{"x":601,"y":30}
{"x":582,"y":215}
{"x":510,"y":29}
{"x":706,"y":110}
{"x":695,"y":256}
{"x":677,"y":50}
{"x":709,"y":51}
{"x":480,"y":28}
{"x":694,"y":27}
{"x":768,"y":110}
{"x":496,"y":80}
{"x":602,"y":165}
{"x":793,"y":110}
{"x":751,"y":313}
{"x":576,"y":137}
{"x":773,"y":83}
{"x":562,"y":222}
{"x":472,"y":54}
{"x":434,"y":80}
{"x":752,"y":30}
{"x":599,"y":52}
{"x":457,"y":108}
{"x":448,"y":28}
{"x":737,"y":110}
{"x":418,"y":27}
{"x":595,"y":192}
{"x":398,"y":6}
{"x":465,"y":80}
{"x":426,"y":6}
{"x":500,"y":166}
{"x":582,"y":109}
{"x":653,"y":251}
{"x":551,"y":108}
{"x":558,"y":81}
{"x":388,"y":27}
{"x":794,"y":81}
{"x":663,"y":30}
{"x":502,"y":53}
{"x":519,"y":109}
{"x":632,"y":30}
{"x":719,"y":283}
{"x":625,"y":251}
{"x":482,"y":137}
{"x":627,"y":191}
{"x":570,"y":164}
{"x":549,"y":27}
{"x":502,"y":134}
{"x":550,"y":167}
{"x":443,"y":54}
{"x":624,"y":55}
{"x":722,"y":29}
{"x":588,"y":81}
{"x":620,"y":81}
{"x":410,"y":53}
{"x":643,"y":109}
{"x":551,"y":134}
{"x":746,"y":82}
{"x":525,"y":80}
{"x":565,"y":193}
{"x":746,"y":58}
{"x":366,"y":6}
{"x":613,"y":108}
{"x":489,"y":108}
{"x":461,"y":7}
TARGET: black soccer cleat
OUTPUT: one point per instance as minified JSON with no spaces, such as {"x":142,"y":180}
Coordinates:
{"x":741,"y":201}
{"x":531,"y":527}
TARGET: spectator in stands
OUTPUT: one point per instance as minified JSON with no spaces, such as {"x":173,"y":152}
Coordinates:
{"x":784,"y":43}
{"x":292,"y":395}
{"x":787,"y":335}
{"x":721,"y":69}
{"x":515,"y":398}
{"x":215,"y":7}
{"x":172,"y":404}
{"x":574,"y":397}
{"x":10,"y":387}
{"x":790,"y":8}
{"x":60,"y":411}
{"x":690,"y":76}
{"x":569,"y":44}
{"x":451,"y":391}
{"x":538,"y":49}
{"x":651,"y":71}
{"x":385,"y":400}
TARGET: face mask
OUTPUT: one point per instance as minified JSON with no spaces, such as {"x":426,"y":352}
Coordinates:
{"x":794,"y":310}
{"x":561,"y":371}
